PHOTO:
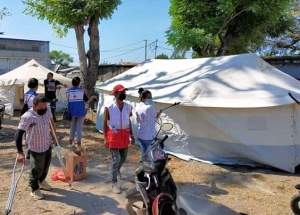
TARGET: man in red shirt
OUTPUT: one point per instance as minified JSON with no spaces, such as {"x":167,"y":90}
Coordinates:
{"x":117,"y":132}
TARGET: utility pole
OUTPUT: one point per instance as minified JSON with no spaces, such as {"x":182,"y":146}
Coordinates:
{"x":155,"y":48}
{"x":145,"y":50}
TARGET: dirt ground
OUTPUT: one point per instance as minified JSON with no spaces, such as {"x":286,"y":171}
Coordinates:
{"x":253,"y":191}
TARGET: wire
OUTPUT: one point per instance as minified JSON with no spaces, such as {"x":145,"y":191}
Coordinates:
{"x":106,"y":51}
{"x":110,"y":50}
{"x":122,"y":47}
{"x":165,"y":48}
{"x":137,"y":56}
{"x":118,"y":50}
{"x":123,"y":53}
{"x":63,"y":45}
{"x":150,"y":48}
{"x":172,"y":49}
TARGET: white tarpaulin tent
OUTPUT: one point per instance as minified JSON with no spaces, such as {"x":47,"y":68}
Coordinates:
{"x":234,"y":109}
{"x":7,"y":96}
{"x":32,"y":69}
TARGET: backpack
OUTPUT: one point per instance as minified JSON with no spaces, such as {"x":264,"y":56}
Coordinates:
{"x":25,"y":106}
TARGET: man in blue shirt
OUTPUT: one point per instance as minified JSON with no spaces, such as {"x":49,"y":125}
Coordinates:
{"x":33,"y":85}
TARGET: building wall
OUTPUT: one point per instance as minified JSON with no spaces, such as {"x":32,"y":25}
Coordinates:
{"x":287,"y":64}
{"x":290,"y":69}
{"x":14,"y":53}
{"x":106,"y":72}
{"x":74,"y":74}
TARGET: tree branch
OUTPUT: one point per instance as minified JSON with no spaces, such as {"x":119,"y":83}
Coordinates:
{"x":229,"y":18}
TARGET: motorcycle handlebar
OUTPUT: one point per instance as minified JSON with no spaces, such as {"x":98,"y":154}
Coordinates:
{"x":165,"y":137}
{"x":163,"y":140}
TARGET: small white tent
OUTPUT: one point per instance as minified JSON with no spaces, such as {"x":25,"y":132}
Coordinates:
{"x":7,"y":95}
{"x":20,"y":76}
{"x":234,"y":109}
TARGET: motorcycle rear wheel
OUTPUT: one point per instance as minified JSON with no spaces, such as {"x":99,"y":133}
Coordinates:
{"x":295,"y":204}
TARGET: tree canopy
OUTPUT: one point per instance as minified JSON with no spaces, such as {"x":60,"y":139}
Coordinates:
{"x":287,"y":43}
{"x":59,"y":57}
{"x":220,"y":27}
{"x":66,"y":14}
{"x":4,"y":12}
{"x":63,"y":15}
{"x":162,"y":56}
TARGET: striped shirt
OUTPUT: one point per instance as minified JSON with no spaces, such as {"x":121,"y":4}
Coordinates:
{"x":41,"y":137}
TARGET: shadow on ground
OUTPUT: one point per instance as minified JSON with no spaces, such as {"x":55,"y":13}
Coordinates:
{"x":95,"y":204}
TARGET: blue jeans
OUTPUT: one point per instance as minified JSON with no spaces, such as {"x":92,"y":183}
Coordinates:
{"x":118,"y":158}
{"x":144,"y":145}
{"x":76,"y":128}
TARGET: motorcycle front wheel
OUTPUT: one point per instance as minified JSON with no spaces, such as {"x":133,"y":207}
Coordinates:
{"x":295,"y":204}
{"x":135,"y":207}
{"x":134,"y":203}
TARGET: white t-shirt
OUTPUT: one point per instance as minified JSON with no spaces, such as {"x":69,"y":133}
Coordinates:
{"x":28,"y":98}
{"x":146,"y":115}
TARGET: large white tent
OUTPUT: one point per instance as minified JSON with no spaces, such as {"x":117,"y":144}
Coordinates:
{"x":16,"y":82}
{"x":233,"y":110}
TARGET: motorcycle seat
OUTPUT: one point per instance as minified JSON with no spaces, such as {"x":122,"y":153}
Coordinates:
{"x":187,"y":204}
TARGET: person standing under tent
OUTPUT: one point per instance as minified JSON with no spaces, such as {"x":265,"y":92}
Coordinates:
{"x":117,"y":132}
{"x":39,"y":145}
{"x":51,"y":86}
{"x":33,"y":85}
{"x":76,"y":103}
{"x":146,"y":116}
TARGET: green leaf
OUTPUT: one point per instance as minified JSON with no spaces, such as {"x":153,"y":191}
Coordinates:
{"x":65,"y":14}
{"x":231,"y":25}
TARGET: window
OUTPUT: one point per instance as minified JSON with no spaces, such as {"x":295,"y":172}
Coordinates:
{"x":2,"y":47}
{"x":35,"y":48}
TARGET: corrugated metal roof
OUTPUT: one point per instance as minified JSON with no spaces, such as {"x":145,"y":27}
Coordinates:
{"x":4,"y":36}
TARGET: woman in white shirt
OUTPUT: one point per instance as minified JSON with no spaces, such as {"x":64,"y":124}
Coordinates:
{"x":146,"y":117}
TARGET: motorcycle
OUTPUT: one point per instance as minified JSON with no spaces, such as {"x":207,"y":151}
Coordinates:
{"x":2,"y":111}
{"x":295,"y":201}
{"x":155,"y":192}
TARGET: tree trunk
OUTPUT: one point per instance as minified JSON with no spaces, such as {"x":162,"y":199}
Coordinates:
{"x":93,"y":56}
{"x":198,"y":50}
{"x":223,"y":48}
{"x":79,"y":31}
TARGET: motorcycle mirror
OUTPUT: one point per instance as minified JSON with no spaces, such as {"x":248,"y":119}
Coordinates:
{"x":166,"y":127}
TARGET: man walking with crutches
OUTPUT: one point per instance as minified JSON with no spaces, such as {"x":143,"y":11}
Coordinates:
{"x":40,"y":145}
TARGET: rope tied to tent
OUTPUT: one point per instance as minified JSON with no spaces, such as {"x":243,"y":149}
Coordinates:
{"x":290,"y":94}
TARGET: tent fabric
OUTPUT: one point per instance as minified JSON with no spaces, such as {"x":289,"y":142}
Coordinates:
{"x":238,"y":81}
{"x":33,"y":69}
{"x":7,"y":98}
{"x":8,"y":90}
{"x":240,"y":113}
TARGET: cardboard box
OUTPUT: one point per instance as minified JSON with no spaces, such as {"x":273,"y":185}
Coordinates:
{"x":76,"y":162}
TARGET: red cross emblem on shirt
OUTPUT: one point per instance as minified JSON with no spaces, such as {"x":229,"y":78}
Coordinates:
{"x":74,"y":96}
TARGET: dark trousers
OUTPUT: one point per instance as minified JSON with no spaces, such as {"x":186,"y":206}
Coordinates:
{"x":40,"y":163}
{"x":118,"y":158}
{"x":53,"y":108}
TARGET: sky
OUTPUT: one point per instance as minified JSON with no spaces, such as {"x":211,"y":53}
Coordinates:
{"x":122,"y":38}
